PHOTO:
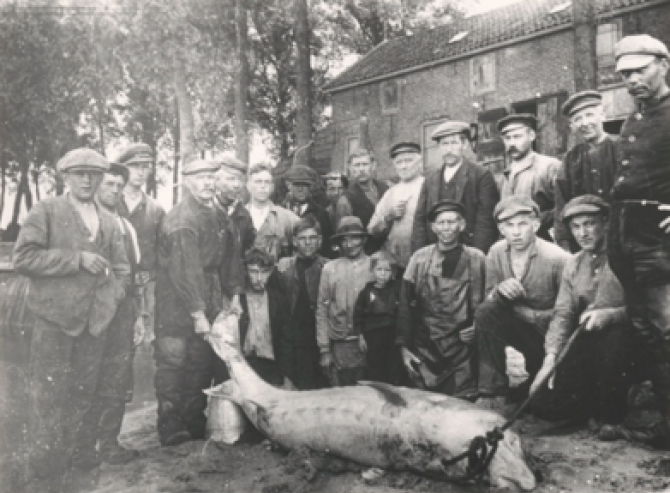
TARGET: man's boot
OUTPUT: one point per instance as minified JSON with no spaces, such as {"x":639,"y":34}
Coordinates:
{"x":110,"y":427}
{"x":171,"y":429}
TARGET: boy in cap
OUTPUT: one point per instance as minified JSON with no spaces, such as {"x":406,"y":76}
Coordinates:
{"x":300,"y":276}
{"x":462,"y":181}
{"x":341,"y":281}
{"x":230,"y":180}
{"x":146,"y":216}
{"x":529,"y":174}
{"x":591,"y":382}
{"x":589,"y":167}
{"x":72,"y":251}
{"x":200,"y":267}
{"x":393,"y":219}
{"x":442,"y":287}
{"x":639,"y":236}
{"x":523,"y":275}
{"x":301,"y":202}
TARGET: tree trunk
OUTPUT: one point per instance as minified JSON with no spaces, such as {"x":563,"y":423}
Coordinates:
{"x":175,"y":168}
{"x":22,"y":189}
{"x":303,"y":128}
{"x":243,"y":78}
{"x":3,"y":184}
{"x":585,"y":31}
{"x":185,"y":110}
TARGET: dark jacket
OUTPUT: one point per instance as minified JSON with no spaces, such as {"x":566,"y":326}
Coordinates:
{"x":473,"y":186}
{"x":147,"y":219}
{"x":377,"y":308}
{"x":279,"y":318}
{"x":48,"y":251}
{"x":245,"y":226}
{"x":288,"y":275}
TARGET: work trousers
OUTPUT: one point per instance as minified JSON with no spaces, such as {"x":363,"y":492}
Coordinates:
{"x":383,"y":355}
{"x":184,"y":367}
{"x":303,"y":362}
{"x":498,"y":327}
{"x":593,"y":379}
{"x":64,"y":373}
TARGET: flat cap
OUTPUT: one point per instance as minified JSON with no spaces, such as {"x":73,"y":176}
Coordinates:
{"x":83,"y":158}
{"x":136,"y":154}
{"x":231,"y":162}
{"x":515,"y":121}
{"x":450,"y":128}
{"x":199,"y":166}
{"x":581,"y":100}
{"x":119,"y":169}
{"x":511,"y":206}
{"x":638,"y":51}
{"x":401,"y":147}
{"x":305,"y":223}
{"x":349,"y":226}
{"x":300,"y":174}
{"x":584,"y":204}
{"x":445,"y":206}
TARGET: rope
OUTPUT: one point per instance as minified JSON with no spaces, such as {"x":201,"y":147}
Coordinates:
{"x":479,"y":454}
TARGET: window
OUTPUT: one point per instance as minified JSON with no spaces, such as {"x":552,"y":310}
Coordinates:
{"x":389,"y":93}
{"x":608,"y":35}
{"x":483,"y":74}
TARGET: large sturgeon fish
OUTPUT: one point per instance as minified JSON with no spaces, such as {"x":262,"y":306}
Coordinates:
{"x":375,"y":424}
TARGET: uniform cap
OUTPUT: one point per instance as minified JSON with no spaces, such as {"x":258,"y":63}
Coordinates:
{"x":401,"y":147}
{"x":450,"y":128}
{"x":445,"y":206}
{"x":300,"y":174}
{"x":584,"y":204}
{"x":349,"y":226}
{"x":634,"y":52}
{"x":199,"y":166}
{"x":514,"y":205}
{"x":581,"y":100}
{"x":517,"y":120}
{"x":83,"y":158}
{"x":231,"y":162}
{"x":135,"y":154}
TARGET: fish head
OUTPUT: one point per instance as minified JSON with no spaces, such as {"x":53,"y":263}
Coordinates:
{"x":509,"y":467}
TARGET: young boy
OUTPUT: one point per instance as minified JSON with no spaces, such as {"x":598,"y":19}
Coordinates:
{"x":375,"y":317}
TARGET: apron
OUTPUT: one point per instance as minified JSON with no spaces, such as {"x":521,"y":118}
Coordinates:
{"x":444,"y":308}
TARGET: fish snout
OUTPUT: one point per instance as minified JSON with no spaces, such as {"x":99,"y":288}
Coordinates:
{"x":509,"y":468}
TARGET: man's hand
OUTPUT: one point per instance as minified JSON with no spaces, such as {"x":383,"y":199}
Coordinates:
{"x":362,"y":345}
{"x":547,"y":367}
{"x":596,"y":319}
{"x":201,"y":324}
{"x":398,"y":210}
{"x":236,"y":306}
{"x":139,"y":330}
{"x":665,"y":224}
{"x":511,"y":289}
{"x":93,"y":263}
{"x":410,"y":361}
{"x":468,"y":335}
{"x":326,"y":362}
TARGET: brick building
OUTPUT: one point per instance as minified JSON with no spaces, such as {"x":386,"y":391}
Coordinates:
{"x":513,"y":59}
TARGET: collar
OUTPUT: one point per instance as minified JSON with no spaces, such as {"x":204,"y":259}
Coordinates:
{"x":655,"y":103}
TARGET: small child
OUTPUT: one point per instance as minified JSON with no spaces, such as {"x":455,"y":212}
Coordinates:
{"x":375,"y":318}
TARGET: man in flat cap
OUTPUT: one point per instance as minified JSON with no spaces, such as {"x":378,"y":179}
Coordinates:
{"x":589,"y":167}
{"x":363,"y":194}
{"x":115,"y":387}
{"x":200,"y":270}
{"x":639,"y":236}
{"x":441,"y":289}
{"x":72,"y":251}
{"x":393,"y":219}
{"x":523,"y":275}
{"x":230,"y":180}
{"x":529,"y":173}
{"x":300,"y":276}
{"x":146,"y":217}
{"x":591,"y":382}
{"x":342,"y":279}
{"x":462,"y":181}
{"x":301,"y":202}
{"x":336,"y":184}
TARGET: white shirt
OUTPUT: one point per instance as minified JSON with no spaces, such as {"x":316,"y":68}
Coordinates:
{"x":450,"y":171}
{"x":259,"y":336}
{"x":258,"y":215}
{"x":132,"y":203}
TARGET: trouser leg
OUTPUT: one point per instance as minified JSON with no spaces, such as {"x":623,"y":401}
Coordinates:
{"x":198,"y":375}
{"x":111,"y":420}
{"x":378,"y":356}
{"x":170,"y":357}
{"x":496,"y":328}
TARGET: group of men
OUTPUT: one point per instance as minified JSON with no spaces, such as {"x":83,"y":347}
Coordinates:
{"x":109,"y":269}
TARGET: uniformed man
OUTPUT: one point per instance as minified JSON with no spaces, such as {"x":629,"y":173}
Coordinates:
{"x":146,"y":216}
{"x":462,"y":181}
{"x":591,"y":382}
{"x":200,"y":267}
{"x":442,"y":287}
{"x":523,"y":275}
{"x":529,"y":173}
{"x":273,"y":223}
{"x":639,"y":236}
{"x":363,"y":194}
{"x":230,"y":180}
{"x":73,"y":253}
{"x":393,"y":219}
{"x":589,"y":167}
